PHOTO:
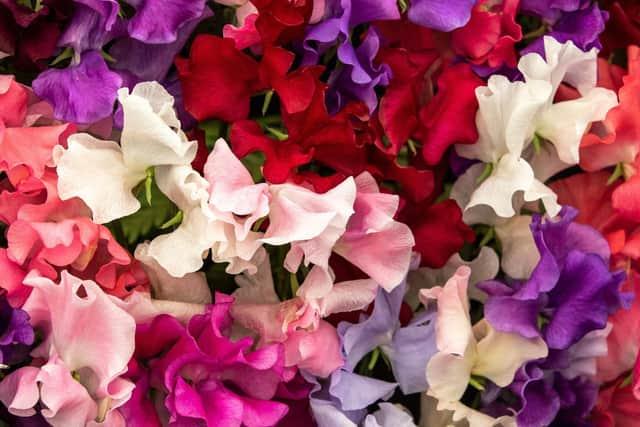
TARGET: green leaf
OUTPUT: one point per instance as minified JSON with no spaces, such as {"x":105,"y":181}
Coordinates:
{"x":148,"y":219}
{"x":253,"y":162}
{"x":212,"y":130}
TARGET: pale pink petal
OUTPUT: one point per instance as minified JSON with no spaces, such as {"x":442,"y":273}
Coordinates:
{"x":63,"y":311}
{"x":348,"y":296}
{"x":312,"y":222}
{"x":453,"y":324}
{"x":234,"y":196}
{"x":19,"y":391}
{"x":66,"y":402}
{"x":317,"y":352}
{"x":373,"y":241}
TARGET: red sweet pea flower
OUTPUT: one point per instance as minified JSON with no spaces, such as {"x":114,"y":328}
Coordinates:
{"x":623,"y":27}
{"x":281,"y":21}
{"x":450,"y":117}
{"x":438,"y":230}
{"x":490,"y":34}
{"x":217,"y":79}
{"x":427,"y":99}
{"x":616,"y":406}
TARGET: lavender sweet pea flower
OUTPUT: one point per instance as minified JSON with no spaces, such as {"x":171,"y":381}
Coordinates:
{"x":83,"y":93}
{"x":16,"y":334}
{"x":441,"y":15}
{"x":360,"y":74}
{"x":345,"y":396}
{"x":570,"y":292}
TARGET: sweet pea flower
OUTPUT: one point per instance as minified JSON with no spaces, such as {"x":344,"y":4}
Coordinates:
{"x":465,"y":350}
{"x":16,"y":334}
{"x":235,"y":199}
{"x":96,"y":356}
{"x":311,"y":222}
{"x":372,"y":235}
{"x":208,"y":378}
{"x":309,"y":342}
{"x":571,"y":286}
{"x":103,"y":173}
{"x":441,"y":16}
{"x":531,"y":116}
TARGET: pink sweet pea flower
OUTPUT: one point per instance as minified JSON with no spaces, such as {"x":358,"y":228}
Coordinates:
{"x":373,"y":241}
{"x":80,"y":383}
{"x":235,"y":198}
{"x":310,"y":343}
{"x":311,"y":222}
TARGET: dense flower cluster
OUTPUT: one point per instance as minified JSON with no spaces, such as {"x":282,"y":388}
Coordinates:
{"x":332,"y":213}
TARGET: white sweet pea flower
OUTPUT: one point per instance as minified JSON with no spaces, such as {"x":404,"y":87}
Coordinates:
{"x":514,"y":117}
{"x":104,"y":173}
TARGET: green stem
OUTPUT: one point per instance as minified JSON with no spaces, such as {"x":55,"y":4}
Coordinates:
{"x":476,"y":383}
{"x":617,"y":173}
{"x":280,"y":136}
{"x":374,"y":359}
{"x":147,"y":184}
{"x":177,"y":219}
{"x":267,"y":101}
{"x":486,"y":172}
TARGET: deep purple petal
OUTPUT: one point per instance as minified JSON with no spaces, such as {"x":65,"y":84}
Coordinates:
{"x":158,"y":21}
{"x":583,"y":299}
{"x":441,"y":15}
{"x":84,"y":93}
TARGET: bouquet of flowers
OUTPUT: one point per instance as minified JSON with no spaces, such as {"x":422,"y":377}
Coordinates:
{"x":333,"y":213}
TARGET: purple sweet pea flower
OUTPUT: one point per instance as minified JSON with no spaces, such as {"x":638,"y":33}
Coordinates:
{"x":441,"y":15}
{"x":582,"y":27}
{"x":342,"y":85}
{"x":549,"y":398}
{"x":91,"y":27}
{"x":571,"y":289}
{"x":343,"y":398}
{"x":158,"y":21}
{"x":144,"y":47}
{"x":360,"y":74}
{"x":16,"y":334}
{"x":83,"y":93}
{"x":551,"y":10}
